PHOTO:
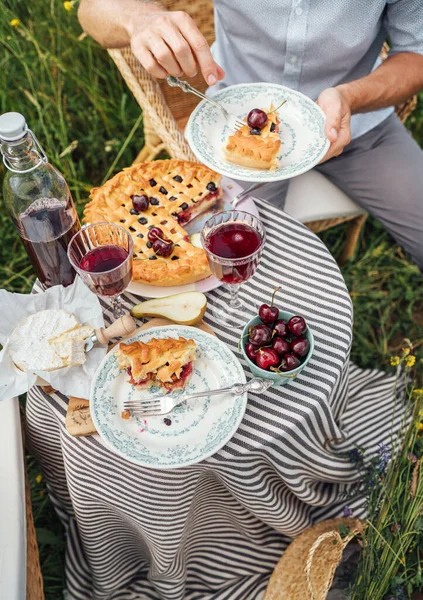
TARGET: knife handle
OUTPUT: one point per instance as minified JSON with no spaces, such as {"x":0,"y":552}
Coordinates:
{"x":119,"y":328}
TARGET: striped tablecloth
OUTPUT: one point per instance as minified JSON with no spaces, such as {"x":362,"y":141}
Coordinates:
{"x":215,"y":530}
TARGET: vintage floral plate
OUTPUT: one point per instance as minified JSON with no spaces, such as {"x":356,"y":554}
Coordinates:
{"x":194,"y":430}
{"x":304,"y":143}
{"x":230,"y":190}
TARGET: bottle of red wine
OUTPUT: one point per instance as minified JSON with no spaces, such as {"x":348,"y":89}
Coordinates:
{"x":39,"y":201}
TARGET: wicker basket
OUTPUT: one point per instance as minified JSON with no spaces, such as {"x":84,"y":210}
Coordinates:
{"x":307,"y":567}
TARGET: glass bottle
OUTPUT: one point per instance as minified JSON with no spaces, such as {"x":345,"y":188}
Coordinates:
{"x":39,"y":202}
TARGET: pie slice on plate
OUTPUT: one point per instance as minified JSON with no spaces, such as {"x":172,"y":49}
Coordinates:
{"x":255,"y":148}
{"x":165,"y":194}
{"x":166,"y":363}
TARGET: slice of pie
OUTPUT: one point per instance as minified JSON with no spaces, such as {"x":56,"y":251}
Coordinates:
{"x":257,"y":148}
{"x":166,"y":194}
{"x":166,"y":363}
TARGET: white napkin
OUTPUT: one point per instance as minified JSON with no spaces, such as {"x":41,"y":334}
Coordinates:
{"x":75,"y":299}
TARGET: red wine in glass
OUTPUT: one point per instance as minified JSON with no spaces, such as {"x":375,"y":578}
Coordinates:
{"x":46,"y":228}
{"x":233,"y":241}
{"x":102,"y":263}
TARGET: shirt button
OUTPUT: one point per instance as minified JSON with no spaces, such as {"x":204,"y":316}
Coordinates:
{"x":293,"y":59}
{"x":299,"y":11}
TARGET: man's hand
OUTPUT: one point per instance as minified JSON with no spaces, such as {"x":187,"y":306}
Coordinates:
{"x":335,"y":105}
{"x":170,"y":43}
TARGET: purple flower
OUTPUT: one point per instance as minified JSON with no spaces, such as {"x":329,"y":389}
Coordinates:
{"x":412,"y":457}
{"x":384,"y":453}
{"x":347,"y":512}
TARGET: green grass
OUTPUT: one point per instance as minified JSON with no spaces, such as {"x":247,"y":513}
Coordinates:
{"x":87,"y":121}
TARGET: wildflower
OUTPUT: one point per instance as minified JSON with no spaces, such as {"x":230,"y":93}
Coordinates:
{"x":419,"y":426}
{"x":107,"y":148}
{"x":38,"y":478}
{"x":8,"y":37}
{"x":406,"y":351}
{"x":14,"y":22}
{"x":394,"y":360}
{"x":410,"y":361}
{"x":412,"y":457}
{"x":384,"y":458}
{"x":418,"y":392}
{"x":355,"y":456}
{"x":347,"y":512}
{"x":68,"y":5}
{"x":395,"y":528}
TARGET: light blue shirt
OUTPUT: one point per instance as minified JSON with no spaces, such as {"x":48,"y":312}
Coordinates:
{"x":309,"y":45}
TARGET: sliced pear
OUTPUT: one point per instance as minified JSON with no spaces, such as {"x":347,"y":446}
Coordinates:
{"x":187,"y":308}
{"x":195,"y":240}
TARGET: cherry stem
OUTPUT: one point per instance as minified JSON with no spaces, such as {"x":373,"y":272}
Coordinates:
{"x":163,"y":240}
{"x":240,"y":340}
{"x":282,"y":374}
{"x":280,"y":106}
{"x":273,"y":295}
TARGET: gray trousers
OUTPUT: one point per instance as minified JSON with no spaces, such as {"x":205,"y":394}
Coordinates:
{"x":382,"y":171}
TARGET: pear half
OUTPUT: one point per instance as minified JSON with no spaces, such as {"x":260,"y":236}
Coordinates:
{"x":187,"y":308}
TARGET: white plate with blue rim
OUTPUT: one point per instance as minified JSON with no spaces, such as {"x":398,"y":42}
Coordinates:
{"x":189,"y":434}
{"x":302,"y":130}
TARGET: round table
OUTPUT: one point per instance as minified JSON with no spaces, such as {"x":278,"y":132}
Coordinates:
{"x":215,"y":530}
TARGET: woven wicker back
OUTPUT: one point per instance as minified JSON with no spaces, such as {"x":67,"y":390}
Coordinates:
{"x":201,"y":11}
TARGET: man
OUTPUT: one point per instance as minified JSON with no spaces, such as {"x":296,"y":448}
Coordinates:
{"x":327,"y":50}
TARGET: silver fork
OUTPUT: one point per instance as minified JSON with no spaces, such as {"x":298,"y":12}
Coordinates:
{"x":163,"y":405}
{"x":233,"y":121}
{"x":235,"y":201}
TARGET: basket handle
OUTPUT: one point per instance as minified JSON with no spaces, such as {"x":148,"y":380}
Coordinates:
{"x":341,"y":543}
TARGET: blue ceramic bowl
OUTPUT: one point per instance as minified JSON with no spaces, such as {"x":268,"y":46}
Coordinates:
{"x":277,"y":378}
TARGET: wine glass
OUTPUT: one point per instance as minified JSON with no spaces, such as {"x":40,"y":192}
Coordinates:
{"x":101,"y":254}
{"x":233,"y":241}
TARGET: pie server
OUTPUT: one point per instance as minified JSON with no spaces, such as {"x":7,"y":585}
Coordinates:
{"x":123,"y":326}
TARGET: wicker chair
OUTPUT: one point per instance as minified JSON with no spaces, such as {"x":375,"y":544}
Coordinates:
{"x":166,"y":111}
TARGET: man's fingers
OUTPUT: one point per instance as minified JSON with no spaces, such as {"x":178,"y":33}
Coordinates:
{"x":210,"y":70}
{"x":148,"y":61}
{"x":164,"y":56}
{"x":182,"y":52}
{"x":330,"y":103}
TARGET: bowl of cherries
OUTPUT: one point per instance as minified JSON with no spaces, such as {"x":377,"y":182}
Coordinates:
{"x":276,"y":344}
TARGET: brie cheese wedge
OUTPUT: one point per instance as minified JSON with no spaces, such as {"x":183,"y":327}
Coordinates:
{"x":32,"y":346}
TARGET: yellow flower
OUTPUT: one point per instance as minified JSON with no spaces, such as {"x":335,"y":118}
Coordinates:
{"x":406,"y":351}
{"x":418,"y":391}
{"x":38,"y":478}
{"x":419,"y":426}
{"x":8,"y":37}
{"x":14,"y":22}
{"x":68,"y":5}
{"x":394,"y":360}
{"x":410,"y":361}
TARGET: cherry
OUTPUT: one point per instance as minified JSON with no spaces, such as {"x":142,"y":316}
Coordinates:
{"x":297,"y":326}
{"x":140,"y":203}
{"x":267,"y":313}
{"x":154,"y":233}
{"x":289,"y":362}
{"x":163,"y":247}
{"x":257,"y":118}
{"x":267,"y":357}
{"x":280,"y":345}
{"x":251,"y":351}
{"x":280,"y":327}
{"x":260,"y":335}
{"x":300,"y":346}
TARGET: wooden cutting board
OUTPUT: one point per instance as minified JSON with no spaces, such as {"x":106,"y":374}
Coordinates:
{"x":78,"y":418}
